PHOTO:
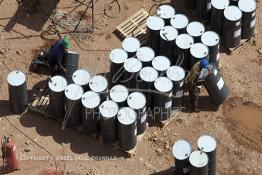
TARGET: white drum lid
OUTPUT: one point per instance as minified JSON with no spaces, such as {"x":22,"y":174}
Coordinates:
{"x":98,"y":83}
{"x":179,"y":21}
{"x":145,"y":54}
{"x":184,"y":41}
{"x":176,"y":73}
{"x":132,"y":65}
{"x":118,"y":56}
{"x":57,"y":84}
{"x":206,"y":143}
{"x":74,"y":92}
{"x":195,"y":29}
{"x":90,"y":99}
{"x":155,"y":23}
{"x":126,"y":116}
{"x":163,"y":84}
{"x":181,"y":150}
{"x":168,"y":33}
{"x":16,"y":78}
{"x":81,"y":77}
{"x":108,"y":109}
{"x":148,"y":74}
{"x":198,"y":159}
{"x":220,"y":4}
{"x":232,"y":13}
{"x":161,"y":63}
{"x":119,"y":93}
{"x":131,"y":44}
{"x":247,"y":5}
{"x":199,"y":50}
{"x":166,"y":11}
{"x":210,"y":38}
{"x":136,"y":100}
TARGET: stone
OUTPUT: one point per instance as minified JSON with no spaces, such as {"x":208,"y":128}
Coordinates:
{"x":27,"y":150}
{"x":158,"y":151}
{"x":260,"y":51}
{"x":27,"y":142}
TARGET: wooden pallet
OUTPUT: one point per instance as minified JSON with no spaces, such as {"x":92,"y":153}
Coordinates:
{"x":164,"y":123}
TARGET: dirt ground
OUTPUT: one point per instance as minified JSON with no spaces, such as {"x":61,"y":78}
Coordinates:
{"x":237,"y":125}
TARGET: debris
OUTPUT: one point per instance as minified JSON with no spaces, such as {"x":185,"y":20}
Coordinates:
{"x":158,"y":151}
{"x":27,"y":142}
{"x":19,"y":52}
{"x":260,"y":51}
{"x":27,"y":150}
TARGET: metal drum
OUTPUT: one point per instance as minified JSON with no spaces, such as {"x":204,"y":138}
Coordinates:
{"x":248,"y":8}
{"x":154,"y":25}
{"x":208,"y":145}
{"x":90,"y":112}
{"x":119,"y":94}
{"x":108,"y":111}
{"x":82,"y":77}
{"x":73,"y":94}
{"x":132,"y":67}
{"x":182,"y":50}
{"x":161,"y":64}
{"x":57,"y":85}
{"x":168,"y":36}
{"x":70,"y":63}
{"x":177,"y":75}
{"x":137,"y":101}
{"x":131,"y":45}
{"x":203,"y":8}
{"x":198,"y":52}
{"x":166,"y":12}
{"x":196,"y":30}
{"x":234,"y":2}
{"x":99,"y":84}
{"x":217,"y":16}
{"x":212,"y":40}
{"x":127,"y":130}
{"x":163,"y":98}
{"x":232,"y":27}
{"x":216,"y":87}
{"x":18,"y":97}
{"x":181,"y":152}
{"x":180,"y":22}
{"x":198,"y":163}
{"x":190,"y":4}
{"x":145,"y":55}
{"x":117,"y":58}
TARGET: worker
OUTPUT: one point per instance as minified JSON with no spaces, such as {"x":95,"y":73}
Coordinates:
{"x":194,"y":80}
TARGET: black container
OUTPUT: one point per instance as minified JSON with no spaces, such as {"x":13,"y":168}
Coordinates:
{"x":132,"y":67}
{"x":196,"y":30}
{"x":168,"y":36}
{"x":82,"y":77}
{"x":70,"y":63}
{"x":203,"y":8}
{"x":99,"y":84}
{"x":180,"y":22}
{"x":161,"y":64}
{"x":90,"y":112}
{"x":198,"y":52}
{"x":57,"y":85}
{"x":17,"y":88}
{"x":166,"y":12}
{"x":234,"y":2}
{"x":198,"y":163}
{"x":145,"y":55}
{"x":119,"y":94}
{"x":131,"y":45}
{"x":127,"y":129}
{"x":190,"y":4}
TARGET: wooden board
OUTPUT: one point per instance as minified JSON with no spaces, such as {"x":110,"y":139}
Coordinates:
{"x":164,"y":123}
{"x":40,"y":105}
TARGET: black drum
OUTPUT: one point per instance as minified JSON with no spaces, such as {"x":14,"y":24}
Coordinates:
{"x":161,"y":64}
{"x":196,"y":30}
{"x":99,"y":84}
{"x":180,"y":22}
{"x":70,"y":63}
{"x":198,"y":52}
{"x":119,"y":94}
{"x":145,"y":55}
{"x":132,"y":67}
{"x":203,"y":8}
{"x":166,"y":12}
{"x":198,"y":163}
{"x":131,"y":45}
{"x":82,"y":77}
{"x":190,"y":4}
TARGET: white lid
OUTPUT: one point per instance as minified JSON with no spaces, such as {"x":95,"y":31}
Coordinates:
{"x":198,"y":159}
{"x":118,"y":56}
{"x":74,"y":92}
{"x":165,"y":11}
{"x":145,"y":54}
{"x":131,"y":44}
{"x":199,"y":50}
{"x":98,"y":83}
{"x":108,"y":109}
{"x":168,"y":33}
{"x":232,"y":13}
{"x":247,"y":5}
{"x":179,"y":21}
{"x":132,"y":65}
{"x":126,"y":116}
{"x":176,"y":73}
{"x":206,"y":143}
{"x":220,"y":4}
{"x":81,"y":77}
{"x":161,"y":63}
{"x":16,"y":78}
{"x":90,"y":99}
{"x":119,"y":93}
{"x":148,"y":74}
{"x":163,"y":84}
{"x":210,"y":38}
{"x":155,"y":23}
{"x":181,"y":150}
{"x":136,"y":100}
{"x":184,"y":41}
{"x":195,"y":28}
{"x":57,"y":84}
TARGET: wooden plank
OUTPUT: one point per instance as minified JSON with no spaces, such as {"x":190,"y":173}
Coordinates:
{"x":164,"y":123}
{"x":40,"y":105}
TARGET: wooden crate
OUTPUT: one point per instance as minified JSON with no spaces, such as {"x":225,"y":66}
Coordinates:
{"x":164,"y":123}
